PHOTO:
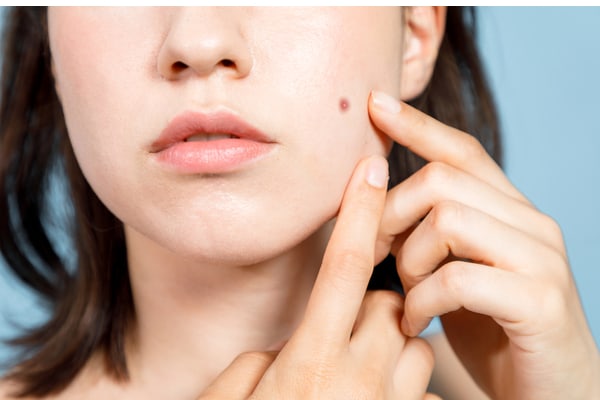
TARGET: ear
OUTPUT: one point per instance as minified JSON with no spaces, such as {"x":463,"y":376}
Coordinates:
{"x":424,"y":31}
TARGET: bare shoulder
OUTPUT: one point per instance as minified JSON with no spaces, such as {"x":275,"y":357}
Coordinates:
{"x":450,"y":379}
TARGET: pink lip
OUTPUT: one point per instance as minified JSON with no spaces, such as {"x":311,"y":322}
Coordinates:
{"x":210,"y":157}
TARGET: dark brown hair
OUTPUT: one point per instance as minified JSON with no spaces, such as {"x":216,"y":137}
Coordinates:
{"x":89,"y":298}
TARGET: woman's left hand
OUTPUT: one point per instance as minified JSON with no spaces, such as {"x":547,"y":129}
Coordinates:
{"x":472,"y":249}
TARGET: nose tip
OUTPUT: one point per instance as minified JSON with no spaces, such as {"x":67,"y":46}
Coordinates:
{"x":202,"y":45}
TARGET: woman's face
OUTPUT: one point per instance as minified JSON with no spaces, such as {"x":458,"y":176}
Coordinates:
{"x":137,"y":83}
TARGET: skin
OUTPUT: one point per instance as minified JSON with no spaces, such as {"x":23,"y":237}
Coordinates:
{"x":104,"y":51}
{"x":293,"y":318}
{"x":451,"y":253}
{"x":109,"y":140}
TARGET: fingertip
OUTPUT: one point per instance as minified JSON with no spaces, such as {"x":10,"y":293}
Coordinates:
{"x":412,"y":329}
{"x":384,"y":102}
{"x":349,"y":257}
{"x":405,"y":327}
{"x":377,"y":172}
{"x":387,"y":114}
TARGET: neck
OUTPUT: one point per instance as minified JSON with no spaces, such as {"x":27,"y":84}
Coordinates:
{"x":192,"y":320}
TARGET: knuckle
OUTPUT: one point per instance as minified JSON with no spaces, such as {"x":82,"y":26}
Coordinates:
{"x":427,"y":356}
{"x":453,"y":278}
{"x":555,"y":306}
{"x":552,"y":229}
{"x":554,"y":299}
{"x":435,"y":175}
{"x":419,"y":122}
{"x":471,"y":150}
{"x":445,"y":216}
{"x":557,"y":261}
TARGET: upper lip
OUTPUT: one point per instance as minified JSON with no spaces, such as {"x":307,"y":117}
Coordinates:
{"x":191,"y":123}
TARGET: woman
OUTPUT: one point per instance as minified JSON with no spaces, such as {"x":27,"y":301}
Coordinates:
{"x":230,"y":200}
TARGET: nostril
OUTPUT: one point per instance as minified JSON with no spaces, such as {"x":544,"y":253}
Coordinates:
{"x":179,"y":66}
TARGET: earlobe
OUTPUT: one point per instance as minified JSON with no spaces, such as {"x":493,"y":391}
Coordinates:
{"x":424,"y":31}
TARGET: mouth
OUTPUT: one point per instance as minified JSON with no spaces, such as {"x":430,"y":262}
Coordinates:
{"x":207,"y":137}
{"x":198,"y":143}
{"x":198,"y":127}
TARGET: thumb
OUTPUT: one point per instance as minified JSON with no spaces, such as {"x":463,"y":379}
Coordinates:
{"x":239,"y":379}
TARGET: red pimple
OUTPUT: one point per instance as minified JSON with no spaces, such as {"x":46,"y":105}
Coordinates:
{"x":344,"y":104}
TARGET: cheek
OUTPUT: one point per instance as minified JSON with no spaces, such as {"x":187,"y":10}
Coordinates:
{"x":346,"y":68}
{"x":97,"y":59}
{"x":101,"y":58}
{"x":314,"y":93}
{"x":344,"y":105}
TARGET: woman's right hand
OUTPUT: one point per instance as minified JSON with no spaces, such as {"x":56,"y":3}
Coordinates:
{"x":348,"y":346}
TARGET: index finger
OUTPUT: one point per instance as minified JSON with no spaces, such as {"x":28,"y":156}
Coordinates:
{"x":349,"y":259}
{"x":435,"y":141}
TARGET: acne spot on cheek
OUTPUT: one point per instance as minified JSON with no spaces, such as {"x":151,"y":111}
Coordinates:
{"x":344,"y":104}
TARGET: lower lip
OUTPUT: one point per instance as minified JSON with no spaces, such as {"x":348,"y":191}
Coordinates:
{"x":213,"y":157}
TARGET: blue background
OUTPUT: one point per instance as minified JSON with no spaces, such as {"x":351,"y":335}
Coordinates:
{"x":543,"y":65}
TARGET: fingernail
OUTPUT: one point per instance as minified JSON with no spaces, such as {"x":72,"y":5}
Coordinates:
{"x":386,"y":102}
{"x":377,"y":172}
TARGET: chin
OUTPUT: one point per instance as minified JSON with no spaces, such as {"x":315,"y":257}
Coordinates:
{"x":236,"y":246}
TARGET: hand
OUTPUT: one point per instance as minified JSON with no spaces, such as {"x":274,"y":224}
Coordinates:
{"x":471,"y":248}
{"x":345,"y":348}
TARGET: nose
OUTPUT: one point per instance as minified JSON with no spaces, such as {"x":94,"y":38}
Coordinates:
{"x":203,"y":41}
